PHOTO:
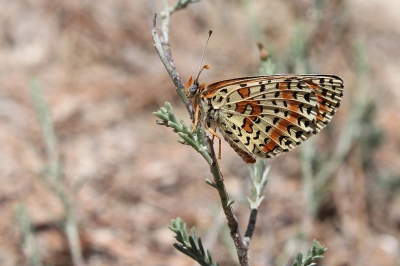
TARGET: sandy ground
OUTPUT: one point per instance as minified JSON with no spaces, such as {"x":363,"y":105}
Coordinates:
{"x":127,"y":177}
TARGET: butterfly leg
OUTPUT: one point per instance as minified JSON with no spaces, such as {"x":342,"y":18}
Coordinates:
{"x":219,"y":145}
{"x":196,"y":118}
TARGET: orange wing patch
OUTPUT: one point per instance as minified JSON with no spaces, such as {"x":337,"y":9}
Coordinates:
{"x":256,"y":110}
{"x":244,"y":92}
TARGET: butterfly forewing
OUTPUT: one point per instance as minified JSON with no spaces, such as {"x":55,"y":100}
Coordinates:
{"x":265,"y":116}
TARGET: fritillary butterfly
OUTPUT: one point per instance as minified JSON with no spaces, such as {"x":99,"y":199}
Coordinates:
{"x":265,"y":116}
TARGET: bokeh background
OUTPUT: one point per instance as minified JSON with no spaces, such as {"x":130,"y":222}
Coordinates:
{"x":81,"y":154}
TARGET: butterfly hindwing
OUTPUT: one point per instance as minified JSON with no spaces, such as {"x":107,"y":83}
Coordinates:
{"x":268,"y":115}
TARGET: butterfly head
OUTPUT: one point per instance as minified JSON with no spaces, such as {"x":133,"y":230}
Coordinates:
{"x":193,"y":88}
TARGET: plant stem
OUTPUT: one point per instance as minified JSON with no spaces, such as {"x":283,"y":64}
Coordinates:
{"x":163,"y":49}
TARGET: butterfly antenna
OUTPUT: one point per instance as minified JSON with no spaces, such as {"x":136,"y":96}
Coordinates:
{"x":202,"y":56}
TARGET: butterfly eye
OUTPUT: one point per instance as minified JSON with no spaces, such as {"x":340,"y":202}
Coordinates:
{"x":193,"y":89}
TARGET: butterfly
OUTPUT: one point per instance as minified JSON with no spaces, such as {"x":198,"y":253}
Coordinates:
{"x":265,"y":116}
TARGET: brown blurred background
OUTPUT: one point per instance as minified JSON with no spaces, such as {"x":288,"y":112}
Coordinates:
{"x":124,"y":178}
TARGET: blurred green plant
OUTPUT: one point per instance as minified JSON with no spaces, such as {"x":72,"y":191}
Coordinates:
{"x":28,"y":243}
{"x":53,"y":177}
{"x":358,"y":132}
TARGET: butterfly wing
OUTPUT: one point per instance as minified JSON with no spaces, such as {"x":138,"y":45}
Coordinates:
{"x":265,"y":116}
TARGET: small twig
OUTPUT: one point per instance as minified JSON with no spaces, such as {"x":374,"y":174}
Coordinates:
{"x":241,"y":245}
{"x":258,"y":179}
{"x":166,"y":14}
{"x":180,"y":4}
{"x":180,"y":88}
{"x":163,"y":49}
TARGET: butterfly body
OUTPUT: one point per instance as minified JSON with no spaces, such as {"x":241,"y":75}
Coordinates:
{"x":264,"y":116}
